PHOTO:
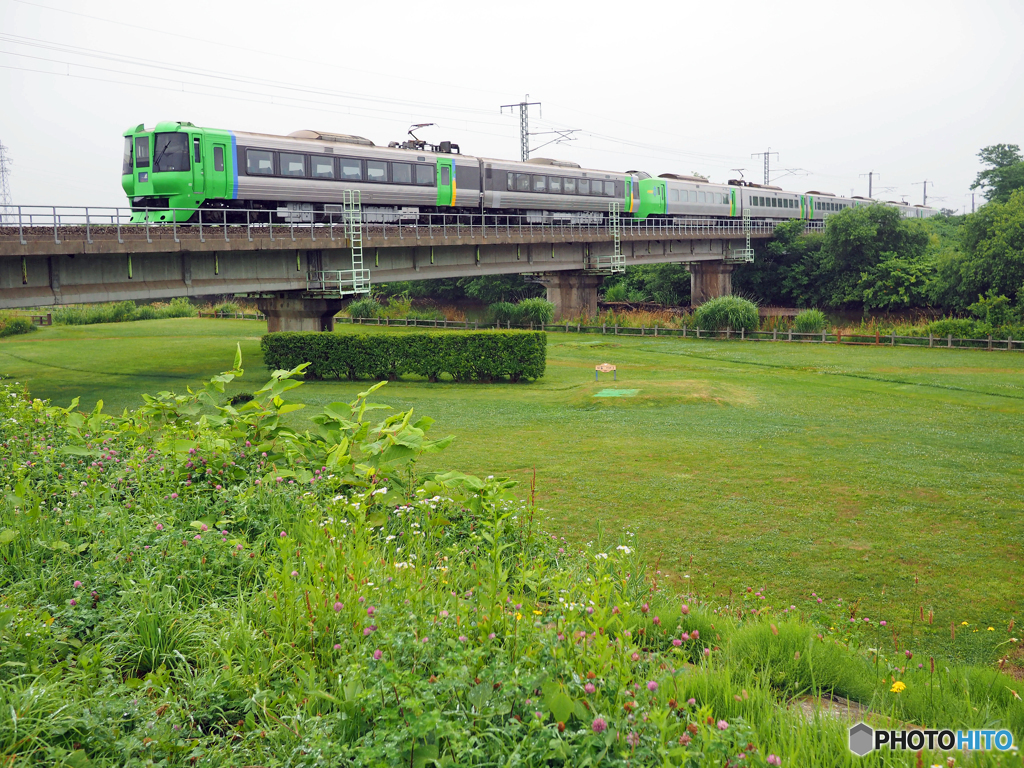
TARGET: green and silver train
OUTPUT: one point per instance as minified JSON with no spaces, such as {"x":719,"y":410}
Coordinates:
{"x":178,"y":172}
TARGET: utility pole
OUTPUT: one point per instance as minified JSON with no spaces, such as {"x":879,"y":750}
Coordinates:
{"x":871,"y":175}
{"x":767,"y":156}
{"x":5,"y":184}
{"x":925,"y":183}
{"x":524,"y":124}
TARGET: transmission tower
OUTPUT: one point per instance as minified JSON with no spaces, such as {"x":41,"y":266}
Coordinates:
{"x":5,"y":184}
{"x":524,"y":124}
{"x":767,"y":165}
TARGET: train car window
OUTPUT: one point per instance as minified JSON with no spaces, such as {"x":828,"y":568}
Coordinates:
{"x":401,"y":173}
{"x":609,"y":189}
{"x":376,"y":170}
{"x":584,"y":186}
{"x":351,"y":169}
{"x":702,"y":197}
{"x":322,"y":167}
{"x":446,"y":176}
{"x":540,"y":183}
{"x":170,"y":152}
{"x":555,"y":185}
{"x":569,"y":185}
{"x":673,"y":196}
{"x":197,"y":154}
{"x":510,"y":184}
{"x":522,"y":182}
{"x":425,"y":175}
{"x":259,"y":162}
{"x":292,"y":164}
{"x":126,"y":160}
{"x":218,"y":158}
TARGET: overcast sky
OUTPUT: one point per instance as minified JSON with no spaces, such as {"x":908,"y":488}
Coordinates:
{"x":906,"y":88}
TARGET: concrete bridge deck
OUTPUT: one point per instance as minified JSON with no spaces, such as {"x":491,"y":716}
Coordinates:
{"x":67,"y":258}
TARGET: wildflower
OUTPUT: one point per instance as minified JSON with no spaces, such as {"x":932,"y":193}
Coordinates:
{"x":633,"y":739}
{"x":991,"y":629}
{"x":174,"y":495}
{"x":491,"y":636}
{"x":338,"y":607}
{"x":656,"y":621}
{"x":337,"y":646}
{"x":685,"y":609}
{"x":589,"y":688}
{"x":197,"y":537}
{"x":635,"y":656}
{"x":599,"y":725}
{"x":378,"y":655}
{"x":692,"y":702}
{"x":283,"y":535}
{"x":722,"y":725}
{"x":677,"y":642}
{"x":774,"y":760}
{"x":694,"y":635}
{"x":367,"y":631}
{"x":707,"y":652}
{"x":652,"y":686}
{"x":203,"y":527}
{"x":294,"y":574}
{"x":898,"y":687}
{"x":908,"y":654}
{"x":370,"y":611}
{"x":463,"y":639}
{"x":645,"y":608}
{"x":964,"y":624}
{"x":424,"y":639}
{"x":159,"y":526}
{"x":882,"y":623}
{"x":77,"y":585}
{"x":684,"y":740}
{"x":444,"y":614}
{"x":73,"y":602}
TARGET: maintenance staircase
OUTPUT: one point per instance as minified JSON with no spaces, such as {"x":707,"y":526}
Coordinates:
{"x":337,"y":283}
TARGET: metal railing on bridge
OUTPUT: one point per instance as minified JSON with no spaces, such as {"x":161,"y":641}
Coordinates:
{"x":93,"y":224}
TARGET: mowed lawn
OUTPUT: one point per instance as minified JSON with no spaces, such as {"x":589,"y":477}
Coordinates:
{"x":791,"y":468}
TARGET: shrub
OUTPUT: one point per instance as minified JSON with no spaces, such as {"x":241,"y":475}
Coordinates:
{"x":179,"y":307}
{"x":959,"y":329}
{"x":726,"y":312}
{"x":481,"y":355}
{"x":146,"y":312}
{"x":503,"y":313}
{"x":809,"y":321}
{"x":226,"y":307}
{"x":11,"y":324}
{"x":535,"y":311}
{"x":617,"y":292}
{"x":364,"y":308}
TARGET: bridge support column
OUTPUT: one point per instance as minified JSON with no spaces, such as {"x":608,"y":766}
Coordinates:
{"x":709,"y":280}
{"x":289,"y":313}
{"x":573,"y":293}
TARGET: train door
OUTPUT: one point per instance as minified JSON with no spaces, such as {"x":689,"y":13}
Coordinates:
{"x":446,"y":190}
{"x":661,"y":202}
{"x":198,"y":167}
{"x":628,"y":205}
{"x":216,"y":173}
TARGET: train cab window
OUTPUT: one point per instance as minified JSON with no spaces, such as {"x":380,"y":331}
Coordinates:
{"x":673,"y":196}
{"x":126,"y":160}
{"x":425,"y":175}
{"x":170,"y":152}
{"x":522,"y":182}
{"x":540,"y":183}
{"x":555,"y":185}
{"x":322,"y":167}
{"x":569,"y":186}
{"x":197,"y":152}
{"x":584,"y":185}
{"x":609,"y":189}
{"x":351,"y":169}
{"x":401,"y":173}
{"x":510,"y":183}
{"x":293,"y":164}
{"x":376,"y":170}
{"x":218,"y":158}
{"x":259,"y":162}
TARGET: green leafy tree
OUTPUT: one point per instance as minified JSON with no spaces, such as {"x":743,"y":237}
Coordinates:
{"x":1005,"y":172}
{"x":665,"y":284}
{"x":895,"y":283}
{"x":993,"y":244}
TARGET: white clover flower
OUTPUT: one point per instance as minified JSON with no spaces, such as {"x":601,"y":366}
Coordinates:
{"x":601,"y":556}
{"x":624,"y":549}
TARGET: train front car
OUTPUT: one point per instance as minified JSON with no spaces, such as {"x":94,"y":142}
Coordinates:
{"x":170,"y":171}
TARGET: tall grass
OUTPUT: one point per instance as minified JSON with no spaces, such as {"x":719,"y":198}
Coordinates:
{"x":121,"y":311}
{"x":12,"y":324}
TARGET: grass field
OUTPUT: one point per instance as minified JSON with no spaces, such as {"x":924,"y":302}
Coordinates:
{"x":847,"y":472}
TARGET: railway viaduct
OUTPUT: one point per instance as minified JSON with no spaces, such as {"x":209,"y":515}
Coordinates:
{"x":301,"y":273}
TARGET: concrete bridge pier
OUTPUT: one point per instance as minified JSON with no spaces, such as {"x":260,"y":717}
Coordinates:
{"x":709,"y":280}
{"x":289,"y":312}
{"x":573,"y":293}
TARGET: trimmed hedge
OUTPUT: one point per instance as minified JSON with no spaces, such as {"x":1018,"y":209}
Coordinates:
{"x":478,"y":355}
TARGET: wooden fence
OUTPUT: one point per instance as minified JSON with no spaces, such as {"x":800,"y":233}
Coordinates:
{"x":875,"y":339}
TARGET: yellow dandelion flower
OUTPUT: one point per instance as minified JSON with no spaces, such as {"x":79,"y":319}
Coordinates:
{"x":518,"y":615}
{"x":964,"y":624}
{"x":538,"y":613}
{"x":991,"y":629}
{"x":897,"y":687}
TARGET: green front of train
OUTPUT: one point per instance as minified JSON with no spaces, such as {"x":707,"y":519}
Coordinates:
{"x":169,"y":171}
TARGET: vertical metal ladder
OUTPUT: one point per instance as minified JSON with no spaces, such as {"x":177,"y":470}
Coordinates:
{"x":618,"y":261}
{"x":743,"y":255}
{"x":352,"y":213}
